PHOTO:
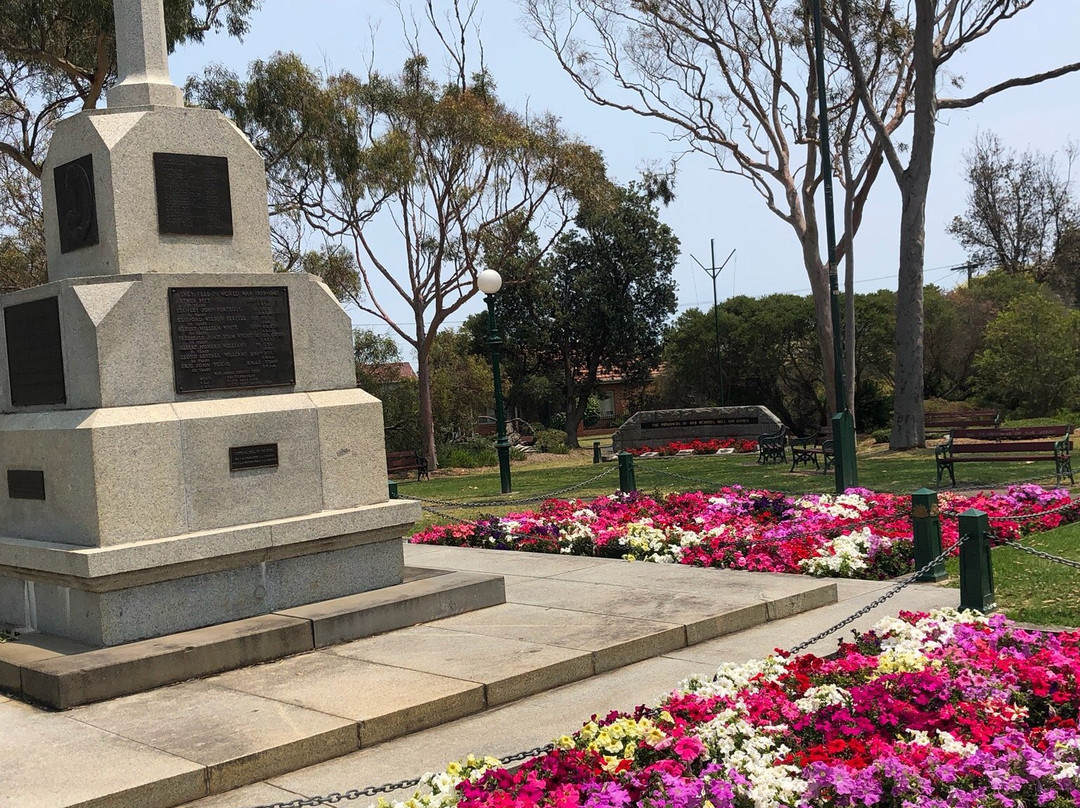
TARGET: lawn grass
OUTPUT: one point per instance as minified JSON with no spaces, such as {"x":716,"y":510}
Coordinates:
{"x":1035,"y":590}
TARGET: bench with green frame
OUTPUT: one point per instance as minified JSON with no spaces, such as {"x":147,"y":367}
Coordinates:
{"x":1007,"y":444}
{"x":809,"y":449}
{"x":772,"y":447}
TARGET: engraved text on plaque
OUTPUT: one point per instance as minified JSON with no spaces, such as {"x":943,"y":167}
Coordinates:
{"x":193,"y":197}
{"x":231,"y":338}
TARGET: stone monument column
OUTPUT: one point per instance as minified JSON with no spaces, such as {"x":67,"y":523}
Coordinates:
{"x":182,"y":441}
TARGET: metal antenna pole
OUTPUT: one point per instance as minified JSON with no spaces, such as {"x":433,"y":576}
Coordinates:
{"x":714,"y":272}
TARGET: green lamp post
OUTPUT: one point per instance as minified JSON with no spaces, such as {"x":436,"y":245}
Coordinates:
{"x":843,"y":422}
{"x":489,"y":282}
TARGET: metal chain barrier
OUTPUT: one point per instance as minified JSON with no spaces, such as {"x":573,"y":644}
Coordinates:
{"x":1068,"y":562}
{"x":500,"y":502}
{"x":1006,"y":484}
{"x":878,"y":601}
{"x":335,"y":797}
{"x":449,"y":516}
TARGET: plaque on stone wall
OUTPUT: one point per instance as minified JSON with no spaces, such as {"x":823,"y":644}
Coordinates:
{"x":35,"y":359}
{"x":193,"y":197}
{"x":231,"y":338}
{"x":76,"y":204}
{"x":259,"y":456}
{"x":25,"y":484}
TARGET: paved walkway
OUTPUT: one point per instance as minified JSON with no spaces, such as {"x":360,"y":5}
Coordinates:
{"x":577,"y":636}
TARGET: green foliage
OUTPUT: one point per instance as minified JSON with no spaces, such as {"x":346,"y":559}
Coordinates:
{"x":373,"y":354}
{"x":552,"y":440}
{"x":591,"y":416}
{"x":881,"y":435}
{"x":1028,"y":365}
{"x":472,"y":454}
{"x":602,"y":299}
{"x":461,"y":384}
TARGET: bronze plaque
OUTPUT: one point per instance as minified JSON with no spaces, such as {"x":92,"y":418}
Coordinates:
{"x":259,"y":456}
{"x":25,"y":484}
{"x":193,"y":197}
{"x":231,"y":338}
{"x":76,"y":205}
{"x":34,"y":356}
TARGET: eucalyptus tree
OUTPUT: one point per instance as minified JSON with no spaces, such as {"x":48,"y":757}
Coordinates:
{"x":926,"y":35}
{"x":732,"y":79}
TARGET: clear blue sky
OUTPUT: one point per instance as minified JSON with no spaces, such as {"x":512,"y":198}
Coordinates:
{"x":337,"y":34}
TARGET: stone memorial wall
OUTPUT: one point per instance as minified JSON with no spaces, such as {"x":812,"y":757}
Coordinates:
{"x":659,"y":427}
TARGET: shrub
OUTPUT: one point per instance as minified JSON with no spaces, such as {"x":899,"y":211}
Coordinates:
{"x":881,"y":435}
{"x":552,"y":440}
{"x":471,"y":454}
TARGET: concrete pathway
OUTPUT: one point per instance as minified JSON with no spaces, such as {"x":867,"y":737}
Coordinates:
{"x":577,"y":636}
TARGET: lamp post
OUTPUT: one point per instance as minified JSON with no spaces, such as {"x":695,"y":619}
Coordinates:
{"x":489,"y":282}
{"x":843,"y":422}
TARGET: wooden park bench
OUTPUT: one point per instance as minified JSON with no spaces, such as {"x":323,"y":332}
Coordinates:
{"x":773,"y":446}
{"x":963,"y":419}
{"x":1005,"y":444}
{"x":808,"y":449}
{"x":407,"y":460}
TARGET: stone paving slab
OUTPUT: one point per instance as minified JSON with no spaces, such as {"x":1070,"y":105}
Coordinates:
{"x":508,"y":669}
{"x":613,"y":640}
{"x":382,"y":700}
{"x":51,"y":760}
{"x":236,"y":738}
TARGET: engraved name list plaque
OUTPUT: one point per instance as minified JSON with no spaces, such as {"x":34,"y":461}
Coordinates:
{"x":231,"y":338}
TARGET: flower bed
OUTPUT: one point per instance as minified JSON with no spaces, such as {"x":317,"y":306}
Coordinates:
{"x":933,"y":710}
{"x":859,"y":534}
{"x":699,"y":447}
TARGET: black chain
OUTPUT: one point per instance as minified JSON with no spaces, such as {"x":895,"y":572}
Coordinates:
{"x":449,"y":516}
{"x":1068,"y":562}
{"x":877,"y":602}
{"x":335,"y":797}
{"x":501,"y":502}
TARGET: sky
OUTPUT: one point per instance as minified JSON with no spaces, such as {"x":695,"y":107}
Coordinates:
{"x":350,"y":34}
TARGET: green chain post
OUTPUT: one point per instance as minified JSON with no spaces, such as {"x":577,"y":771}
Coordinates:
{"x":596,"y":452}
{"x":976,"y":569}
{"x":392,"y":486}
{"x":626,"y":473}
{"x":926,"y":528}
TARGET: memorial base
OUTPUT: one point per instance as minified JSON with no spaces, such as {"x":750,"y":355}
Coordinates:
{"x":105,"y":596}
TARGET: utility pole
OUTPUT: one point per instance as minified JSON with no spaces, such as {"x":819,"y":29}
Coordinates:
{"x":714,"y":271}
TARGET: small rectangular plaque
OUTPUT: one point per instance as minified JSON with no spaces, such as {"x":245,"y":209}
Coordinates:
{"x":231,"y":338}
{"x":76,"y":204}
{"x":259,"y":456}
{"x":25,"y":484}
{"x":193,"y":196}
{"x":35,"y":357}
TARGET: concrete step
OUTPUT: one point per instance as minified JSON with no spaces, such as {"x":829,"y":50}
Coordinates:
{"x":568,"y":623}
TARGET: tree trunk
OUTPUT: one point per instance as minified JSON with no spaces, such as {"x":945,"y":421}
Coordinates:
{"x":575,"y":411}
{"x":907,"y":428}
{"x":427,"y":417}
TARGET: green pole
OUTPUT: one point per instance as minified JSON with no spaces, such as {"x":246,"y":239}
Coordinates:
{"x":392,"y":489}
{"x":502,"y":444}
{"x":976,"y":569}
{"x":926,"y":528}
{"x":596,"y":452}
{"x":626,"y":473}
{"x":843,"y":422}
